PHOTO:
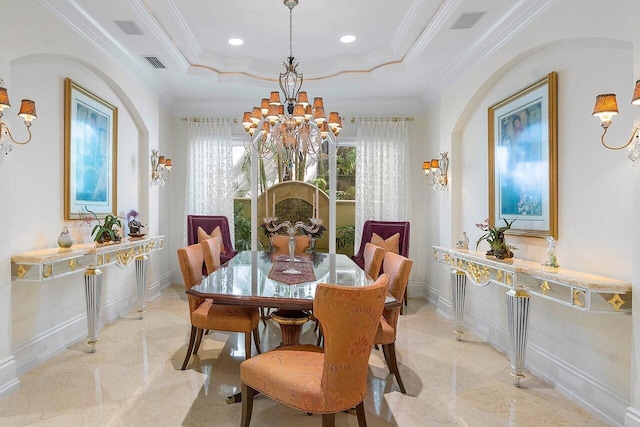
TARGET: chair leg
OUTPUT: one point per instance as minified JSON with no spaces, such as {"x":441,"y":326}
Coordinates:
{"x":191,"y":341}
{"x":256,"y":340}
{"x":247,"y":404}
{"x":392,"y":363}
{"x":247,"y":345}
{"x":362,"y":420}
{"x":328,"y":420}
{"x":320,"y":334}
{"x":198,"y":341}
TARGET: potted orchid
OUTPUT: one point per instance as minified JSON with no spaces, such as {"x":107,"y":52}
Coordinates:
{"x":495,"y":237}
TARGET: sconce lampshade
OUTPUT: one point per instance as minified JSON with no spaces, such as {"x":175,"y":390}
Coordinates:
{"x":426,"y":165}
{"x":636,"y":94}
{"x":435,"y":163}
{"x":28,"y":110}
{"x":606,"y":106}
{"x":167,"y":163}
{"x":4,"y":99}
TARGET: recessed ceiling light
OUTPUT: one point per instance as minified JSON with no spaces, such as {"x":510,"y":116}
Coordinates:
{"x":348,"y":38}
{"x":235,"y":42}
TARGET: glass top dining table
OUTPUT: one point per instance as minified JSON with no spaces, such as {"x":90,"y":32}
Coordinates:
{"x":245,"y":280}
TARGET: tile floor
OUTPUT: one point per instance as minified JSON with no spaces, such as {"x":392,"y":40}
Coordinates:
{"x":134,"y":379}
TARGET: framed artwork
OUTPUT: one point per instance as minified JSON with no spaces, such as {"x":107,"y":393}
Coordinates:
{"x":523,"y":160}
{"x":90,"y":153}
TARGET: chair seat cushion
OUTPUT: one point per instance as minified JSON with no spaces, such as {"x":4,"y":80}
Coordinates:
{"x":225,"y":317}
{"x":385,"y":333}
{"x":288,"y":376}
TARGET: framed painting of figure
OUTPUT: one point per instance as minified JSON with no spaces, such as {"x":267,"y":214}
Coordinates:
{"x":90,"y":153}
{"x":523,"y":177}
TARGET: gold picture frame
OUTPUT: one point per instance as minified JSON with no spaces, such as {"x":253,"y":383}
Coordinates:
{"x":90,"y":153}
{"x":523,"y":160}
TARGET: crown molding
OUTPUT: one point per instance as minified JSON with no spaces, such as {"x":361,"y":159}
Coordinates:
{"x":72,"y":14}
{"x":443,"y":14}
{"x":517,"y":16}
{"x":191,"y":39}
{"x":141,"y":9}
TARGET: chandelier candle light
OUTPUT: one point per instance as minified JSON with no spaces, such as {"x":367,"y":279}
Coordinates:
{"x":292,"y":129}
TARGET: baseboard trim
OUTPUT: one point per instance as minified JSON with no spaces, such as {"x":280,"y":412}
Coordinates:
{"x":44,"y":346}
{"x":632,"y":417}
{"x":155,"y":288}
{"x":577,"y":385}
{"x":8,"y":376}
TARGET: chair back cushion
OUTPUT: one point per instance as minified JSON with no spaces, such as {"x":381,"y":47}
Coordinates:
{"x":373,"y":259}
{"x":385,"y":230}
{"x":191,"y":259}
{"x":216,"y":233}
{"x":347,"y":348}
{"x":281,"y":243}
{"x":392,"y":244}
{"x":211,"y":252}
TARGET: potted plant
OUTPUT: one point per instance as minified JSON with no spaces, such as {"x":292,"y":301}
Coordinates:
{"x":495,"y":237}
{"x":104,"y":232}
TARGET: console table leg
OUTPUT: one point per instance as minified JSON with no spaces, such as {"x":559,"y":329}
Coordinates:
{"x":93,"y":293}
{"x":518,"y":318}
{"x":458,"y":288}
{"x":141,"y":282}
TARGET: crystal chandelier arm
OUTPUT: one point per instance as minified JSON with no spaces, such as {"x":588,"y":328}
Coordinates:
{"x":4,"y":126}
{"x":633,"y":134}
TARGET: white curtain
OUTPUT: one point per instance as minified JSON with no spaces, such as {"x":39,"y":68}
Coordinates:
{"x":382,"y":172}
{"x":209,"y":171}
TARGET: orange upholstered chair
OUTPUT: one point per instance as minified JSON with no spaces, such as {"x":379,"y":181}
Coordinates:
{"x":322,"y":382}
{"x":209,"y":223}
{"x":373,"y":259}
{"x":211,"y":253}
{"x":398,"y":268}
{"x":205,"y":315}
{"x":281,"y":243}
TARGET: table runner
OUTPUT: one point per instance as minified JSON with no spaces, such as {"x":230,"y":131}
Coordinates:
{"x":302,"y":266}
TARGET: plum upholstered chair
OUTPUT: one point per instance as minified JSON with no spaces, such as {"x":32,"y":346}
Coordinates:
{"x":398,"y":268}
{"x":209,"y":223}
{"x":384,"y":229}
{"x":322,"y":382}
{"x":205,"y":315}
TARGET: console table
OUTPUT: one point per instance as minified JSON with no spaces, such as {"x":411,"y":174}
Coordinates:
{"x":573,"y":289}
{"x":53,"y":263}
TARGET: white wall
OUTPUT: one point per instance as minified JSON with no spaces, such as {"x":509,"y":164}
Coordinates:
{"x":46,"y":317}
{"x":587,"y":356}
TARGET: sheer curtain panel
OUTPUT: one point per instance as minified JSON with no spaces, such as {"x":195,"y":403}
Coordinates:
{"x":382,"y":172}
{"x":209,"y":171}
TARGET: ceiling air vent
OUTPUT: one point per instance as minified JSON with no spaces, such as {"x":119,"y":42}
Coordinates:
{"x":130,"y":28}
{"x":467,"y":20}
{"x":153,"y":60}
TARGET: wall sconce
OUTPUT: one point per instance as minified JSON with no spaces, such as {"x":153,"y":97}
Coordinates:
{"x":27,"y":112}
{"x":437,"y":170}
{"x":160,"y":169}
{"x":605,"y":108}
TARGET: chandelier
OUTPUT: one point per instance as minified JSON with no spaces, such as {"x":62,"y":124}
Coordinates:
{"x":290,"y":131}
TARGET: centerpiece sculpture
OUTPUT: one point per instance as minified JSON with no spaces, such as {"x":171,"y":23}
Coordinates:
{"x":272,"y":226}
